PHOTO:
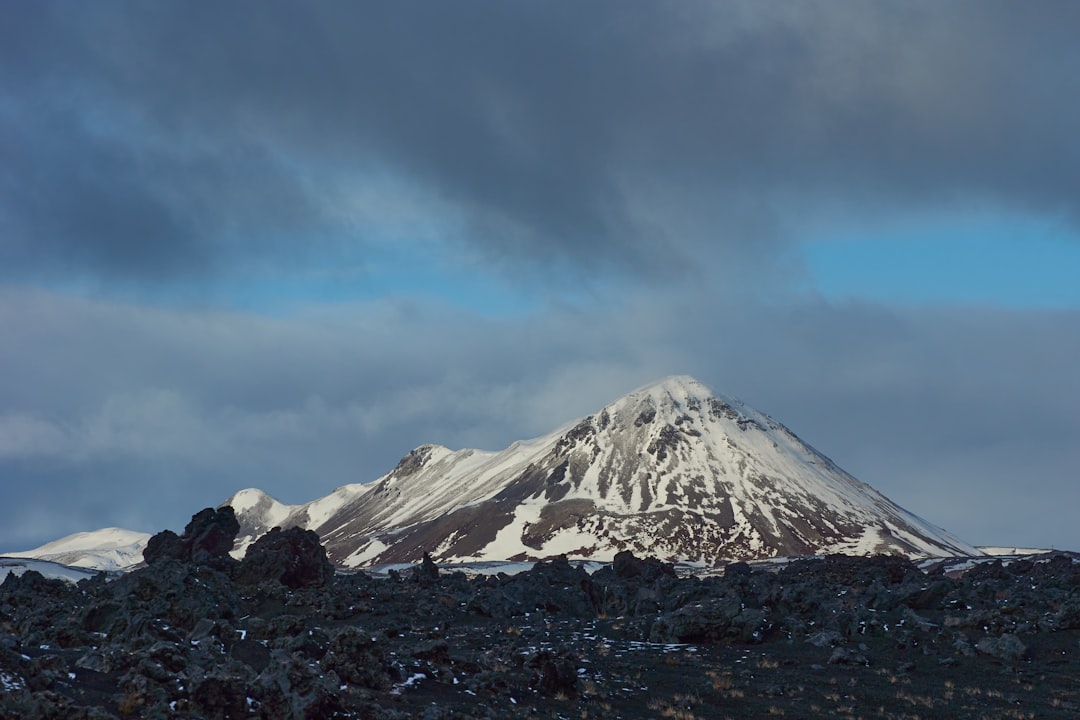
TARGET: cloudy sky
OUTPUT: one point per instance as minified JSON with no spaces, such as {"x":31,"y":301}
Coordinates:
{"x":280,"y":244}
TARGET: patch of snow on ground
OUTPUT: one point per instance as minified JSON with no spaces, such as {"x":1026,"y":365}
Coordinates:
{"x":485,"y":567}
{"x":11,"y":683}
{"x":997,"y":551}
{"x":413,"y":679}
{"x":492,"y":567}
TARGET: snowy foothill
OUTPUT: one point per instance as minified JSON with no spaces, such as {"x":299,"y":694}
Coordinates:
{"x":105,"y":549}
{"x":50,"y":570}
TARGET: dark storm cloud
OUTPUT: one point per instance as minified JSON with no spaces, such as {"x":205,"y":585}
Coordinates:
{"x":177,"y":139}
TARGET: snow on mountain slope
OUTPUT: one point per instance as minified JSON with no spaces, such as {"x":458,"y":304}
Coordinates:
{"x":670,"y":470}
{"x":105,"y":549}
{"x":49,"y":570}
{"x":428,"y":482}
{"x":257,"y":513}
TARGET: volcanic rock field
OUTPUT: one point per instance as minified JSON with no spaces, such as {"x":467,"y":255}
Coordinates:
{"x":280,"y":634}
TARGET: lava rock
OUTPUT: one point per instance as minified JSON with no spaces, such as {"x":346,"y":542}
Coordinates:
{"x":553,"y":586}
{"x":554,"y":674}
{"x":704,"y":622}
{"x":207,"y":539}
{"x":737,"y":569}
{"x":825,"y":638}
{"x":293,"y":557}
{"x":219,"y":696}
{"x":211,"y":534}
{"x":357,"y":658}
{"x":166,"y":545}
{"x":1007,"y":648}
{"x":178,"y":638}
{"x":292,"y":687}
{"x":846,"y":656}
{"x":628,"y":566}
{"x":427,"y":574}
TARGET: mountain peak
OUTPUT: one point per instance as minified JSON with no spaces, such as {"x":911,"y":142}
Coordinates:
{"x":677,"y":394}
{"x":258,"y":512}
{"x":248,"y":498}
{"x":678,"y":387}
{"x":671,"y":469}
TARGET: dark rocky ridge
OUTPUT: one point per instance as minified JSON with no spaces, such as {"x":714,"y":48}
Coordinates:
{"x":278,"y":635}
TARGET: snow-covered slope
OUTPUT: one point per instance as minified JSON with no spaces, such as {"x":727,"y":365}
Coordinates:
{"x":50,"y":570}
{"x":671,"y":470}
{"x":257,"y":513}
{"x":997,"y":551}
{"x":106,"y":549}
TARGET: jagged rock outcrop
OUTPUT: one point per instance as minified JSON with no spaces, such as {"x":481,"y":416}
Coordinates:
{"x":210,"y":534}
{"x":553,"y":586}
{"x":627,"y":565}
{"x":208,"y":538}
{"x":293,"y":557}
{"x":166,"y":545}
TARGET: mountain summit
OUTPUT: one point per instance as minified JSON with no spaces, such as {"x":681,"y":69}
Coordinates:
{"x":672,"y":470}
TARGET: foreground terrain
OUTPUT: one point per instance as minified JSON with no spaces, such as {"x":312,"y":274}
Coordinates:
{"x":279,"y":634}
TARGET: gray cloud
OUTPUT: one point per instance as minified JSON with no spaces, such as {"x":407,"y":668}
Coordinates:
{"x":165,"y":140}
{"x":659,"y":162}
{"x":138,"y":417}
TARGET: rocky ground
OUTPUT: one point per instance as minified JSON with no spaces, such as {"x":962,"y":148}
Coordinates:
{"x":280,"y":635}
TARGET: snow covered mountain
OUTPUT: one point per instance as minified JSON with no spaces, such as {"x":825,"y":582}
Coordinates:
{"x":671,"y":470}
{"x":106,"y":549}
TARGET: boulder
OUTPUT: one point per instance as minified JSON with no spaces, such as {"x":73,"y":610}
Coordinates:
{"x":1007,"y":648}
{"x":357,"y":658}
{"x":166,"y":545}
{"x":293,"y":557}
{"x":207,"y":540}
{"x":737,"y":569}
{"x":211,"y":534}
{"x":718,"y":620}
{"x":427,"y":573}
{"x":825,"y":638}
{"x":554,"y":674}
{"x":555,"y":586}
{"x":628,"y":566}
{"x":220,"y":695}
{"x":846,"y":656}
